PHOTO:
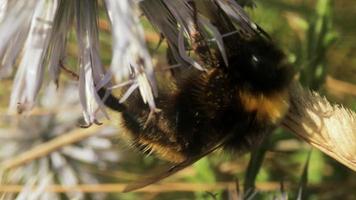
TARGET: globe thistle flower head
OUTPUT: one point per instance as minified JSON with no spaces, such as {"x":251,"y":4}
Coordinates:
{"x":37,"y":32}
{"x":66,"y":166}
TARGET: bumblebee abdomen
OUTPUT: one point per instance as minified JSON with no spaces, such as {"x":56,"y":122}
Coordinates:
{"x":205,"y":108}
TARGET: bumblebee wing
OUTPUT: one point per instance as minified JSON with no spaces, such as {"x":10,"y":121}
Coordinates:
{"x":174,"y":169}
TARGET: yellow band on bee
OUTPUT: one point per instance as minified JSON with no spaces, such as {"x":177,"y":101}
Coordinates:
{"x":271,"y":107}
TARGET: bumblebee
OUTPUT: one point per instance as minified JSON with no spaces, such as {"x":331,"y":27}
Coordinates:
{"x":230,"y":106}
{"x":250,"y":95}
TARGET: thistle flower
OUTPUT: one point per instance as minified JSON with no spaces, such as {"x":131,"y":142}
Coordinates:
{"x":30,"y":73}
{"x":15,"y":20}
{"x":40,"y":29}
{"x":65,"y":166}
{"x":131,"y":56}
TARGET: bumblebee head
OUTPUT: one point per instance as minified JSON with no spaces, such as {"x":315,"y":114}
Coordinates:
{"x":259,"y":66}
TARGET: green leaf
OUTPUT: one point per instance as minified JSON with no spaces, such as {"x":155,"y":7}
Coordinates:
{"x":304,"y":179}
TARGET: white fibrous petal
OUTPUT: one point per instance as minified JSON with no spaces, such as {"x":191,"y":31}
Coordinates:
{"x":130,"y":54}
{"x":15,"y":20}
{"x":88,"y":178}
{"x":82,"y":154}
{"x":218,"y":38}
{"x":61,"y":26}
{"x":29,"y":76}
{"x":183,"y":53}
{"x":182,"y":13}
{"x":14,"y":15}
{"x":26,"y":191}
{"x":66,"y":163}
{"x":44,"y":179}
{"x":98,"y":143}
{"x":172,"y":18}
{"x":145,"y":90}
{"x":40,"y":178}
{"x":14,"y":47}
{"x":128,"y":92}
{"x":109,"y":156}
{"x":91,"y":70}
{"x":3,"y":6}
{"x":49,"y":195}
{"x":87,"y":92}
{"x":161,"y":18}
{"x":66,"y":174}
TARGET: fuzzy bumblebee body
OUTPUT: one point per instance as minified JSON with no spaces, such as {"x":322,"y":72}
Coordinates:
{"x":240,"y":98}
{"x":243,"y":101}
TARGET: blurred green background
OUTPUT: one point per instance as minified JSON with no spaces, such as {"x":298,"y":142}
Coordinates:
{"x":319,"y":38}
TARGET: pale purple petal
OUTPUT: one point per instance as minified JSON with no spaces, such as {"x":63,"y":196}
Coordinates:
{"x":66,"y":174}
{"x":88,"y":178}
{"x":128,"y":92}
{"x":61,"y":25}
{"x":183,"y":52}
{"x":15,"y":14}
{"x":131,"y":58}
{"x":15,"y":21}
{"x":12,"y":51}
{"x":40,"y":178}
{"x":173,"y":19}
{"x":161,"y":18}
{"x":83,"y":154}
{"x":29,"y":76}
{"x":182,"y":13}
{"x":98,"y":143}
{"x":236,"y":12}
{"x":3,"y":7}
{"x":87,"y":92}
{"x":91,"y":70}
{"x":44,"y":179}
{"x":218,"y":38}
